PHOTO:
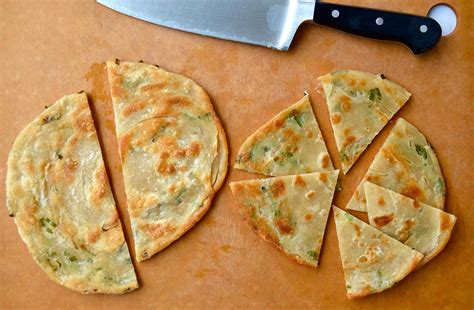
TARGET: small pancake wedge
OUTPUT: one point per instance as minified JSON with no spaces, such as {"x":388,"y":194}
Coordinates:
{"x":60,"y":198}
{"x":360,"y":104}
{"x":372,"y":261}
{"x":173,"y":151}
{"x":407,"y":164}
{"x":290,"y":143}
{"x":422,"y":227}
{"x":290,"y":212}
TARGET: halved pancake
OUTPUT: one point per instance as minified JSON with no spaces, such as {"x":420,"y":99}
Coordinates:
{"x":290,"y":212}
{"x":372,"y":261}
{"x":290,"y":143}
{"x":422,"y":227}
{"x":59,"y":196}
{"x":360,"y":104}
{"x":407,"y":164}
{"x":173,"y":151}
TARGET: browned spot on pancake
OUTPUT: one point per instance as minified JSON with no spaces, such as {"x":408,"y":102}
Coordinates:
{"x":357,"y":195}
{"x":70,"y":167}
{"x":277,"y":188}
{"x":177,"y":100}
{"x":383,"y":219}
{"x":323,"y":177}
{"x":356,"y":229}
{"x":399,"y":133}
{"x":84,"y":123}
{"x":279,"y":123}
{"x":100,"y":187}
{"x":404,"y":232}
{"x":163,"y":166}
{"x":351,"y":82}
{"x":155,"y":231}
{"x":124,"y":145}
{"x":298,"y":181}
{"x":362,"y":259}
{"x":362,"y":83}
{"x":172,"y":188}
{"x":388,"y":156}
{"x":284,"y":226}
{"x":336,"y":118}
{"x":381,"y":201}
{"x":154,"y":86}
{"x":346,"y":132}
{"x":180,"y":153}
{"x":325,"y":161}
{"x":373,"y":178}
{"x":416,"y":204}
{"x":348,"y":141}
{"x":308,"y":217}
{"x":201,"y":273}
{"x":132,"y":108}
{"x":93,"y":236}
{"x":364,"y":200}
{"x":310,"y":195}
{"x":194,"y":149}
{"x":288,"y":133}
{"x":413,"y":191}
{"x":346,"y":104}
{"x":445,"y":221}
{"x":399,"y":174}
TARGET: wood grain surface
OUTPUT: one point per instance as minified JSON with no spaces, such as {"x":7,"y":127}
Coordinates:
{"x":52,"y":48}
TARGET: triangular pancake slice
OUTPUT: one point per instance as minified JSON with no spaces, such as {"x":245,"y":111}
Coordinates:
{"x":407,"y":164}
{"x":420,"y":226}
{"x":290,"y":143}
{"x":290,"y":212}
{"x":372,"y":261}
{"x":173,"y":151}
{"x":60,"y":198}
{"x":360,"y":105}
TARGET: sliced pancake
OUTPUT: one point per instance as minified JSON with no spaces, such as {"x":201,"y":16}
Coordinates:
{"x":290,"y":143}
{"x":372,"y":261}
{"x":360,"y":104}
{"x":59,"y":196}
{"x":290,"y":212}
{"x":422,"y":227}
{"x":173,"y":151}
{"x":407,"y":164}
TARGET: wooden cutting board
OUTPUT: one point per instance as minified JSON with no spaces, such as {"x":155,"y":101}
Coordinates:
{"x":49,"y":49}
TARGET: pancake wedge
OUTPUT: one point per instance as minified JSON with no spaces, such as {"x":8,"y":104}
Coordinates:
{"x":407,"y":164}
{"x":59,"y":196}
{"x":290,"y":212}
{"x":173,"y":151}
{"x":290,"y":143}
{"x":372,"y":261}
{"x":421,"y":227}
{"x":360,"y":104}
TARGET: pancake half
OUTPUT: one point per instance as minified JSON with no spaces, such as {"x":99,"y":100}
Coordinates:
{"x":59,"y":196}
{"x":290,"y":143}
{"x":422,"y":227}
{"x":173,"y":151}
{"x":407,"y":164}
{"x":360,"y":104}
{"x":372,"y":261}
{"x":290,"y":212}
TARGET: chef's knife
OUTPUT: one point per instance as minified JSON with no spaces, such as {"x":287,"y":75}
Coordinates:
{"x":273,"y":23}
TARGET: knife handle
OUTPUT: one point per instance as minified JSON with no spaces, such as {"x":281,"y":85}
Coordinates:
{"x":419,"y":33}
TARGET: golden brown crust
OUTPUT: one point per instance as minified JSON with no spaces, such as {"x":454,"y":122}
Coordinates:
{"x":169,"y":131}
{"x":293,"y":222}
{"x":62,"y":202}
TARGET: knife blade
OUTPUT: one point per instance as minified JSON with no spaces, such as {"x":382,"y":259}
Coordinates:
{"x":273,"y":23}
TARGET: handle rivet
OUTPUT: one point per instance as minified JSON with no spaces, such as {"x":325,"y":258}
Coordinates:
{"x":379,"y":21}
{"x":335,"y":13}
{"x":423,"y":28}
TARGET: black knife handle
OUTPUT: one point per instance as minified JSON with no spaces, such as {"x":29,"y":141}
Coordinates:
{"x":419,"y":33}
